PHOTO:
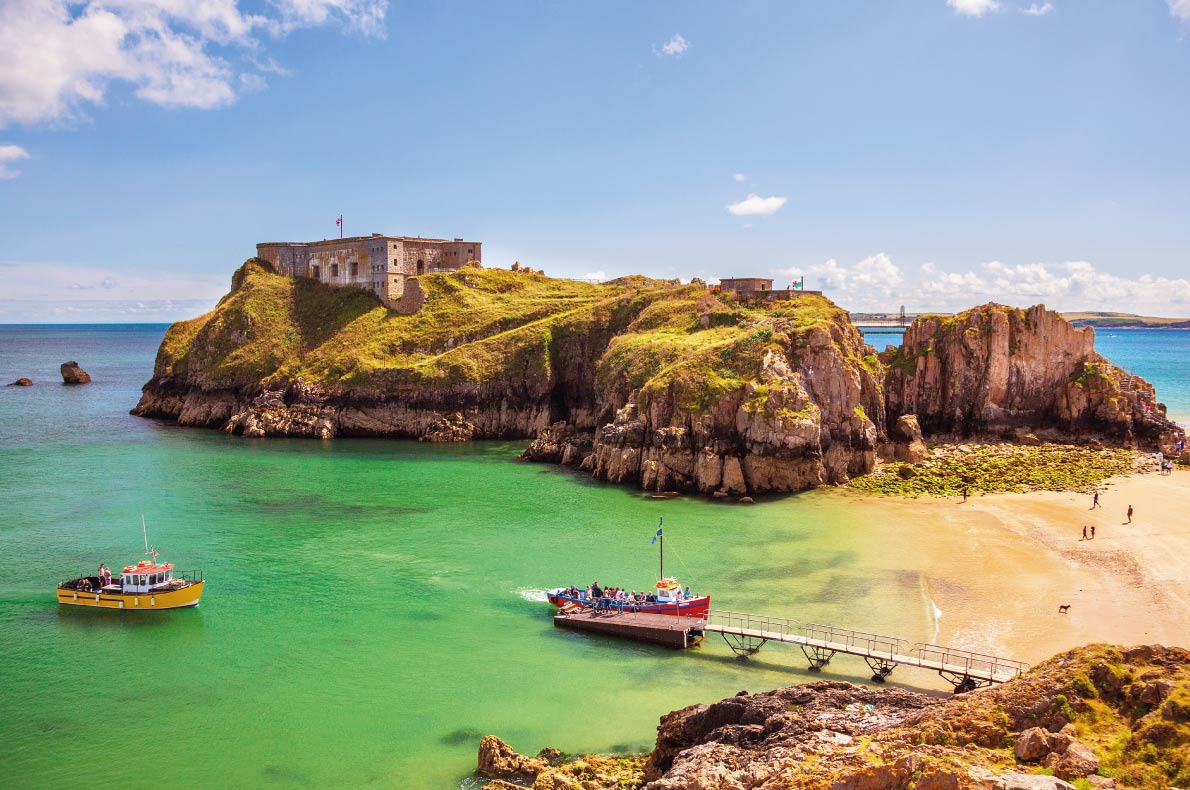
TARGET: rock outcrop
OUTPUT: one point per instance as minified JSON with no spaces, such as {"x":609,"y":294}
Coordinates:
{"x":636,"y":381}
{"x":73,"y":374}
{"x":1070,"y":716}
{"x":997,"y":370}
{"x":21,"y":382}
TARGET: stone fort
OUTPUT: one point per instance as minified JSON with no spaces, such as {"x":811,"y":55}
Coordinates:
{"x":380,"y":263}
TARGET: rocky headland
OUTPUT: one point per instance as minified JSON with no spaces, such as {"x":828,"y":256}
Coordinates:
{"x":638,"y":381}
{"x":1098,"y":716}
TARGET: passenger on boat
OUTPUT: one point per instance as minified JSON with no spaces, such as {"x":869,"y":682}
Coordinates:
{"x":107,"y":576}
{"x":85,"y":584}
{"x":687,"y":593}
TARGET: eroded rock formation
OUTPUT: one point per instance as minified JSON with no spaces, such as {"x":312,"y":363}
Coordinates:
{"x":73,"y":374}
{"x":1001,"y":370}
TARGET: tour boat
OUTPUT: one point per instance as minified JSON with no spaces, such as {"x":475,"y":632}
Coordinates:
{"x":667,"y":594}
{"x":145,"y":586}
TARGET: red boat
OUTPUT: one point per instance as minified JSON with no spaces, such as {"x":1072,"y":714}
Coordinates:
{"x":667,"y":598}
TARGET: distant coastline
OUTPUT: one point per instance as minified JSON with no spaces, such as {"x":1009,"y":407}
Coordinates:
{"x":1125,"y":321}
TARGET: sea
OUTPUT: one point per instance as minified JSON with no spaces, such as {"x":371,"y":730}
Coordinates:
{"x":373,"y":607}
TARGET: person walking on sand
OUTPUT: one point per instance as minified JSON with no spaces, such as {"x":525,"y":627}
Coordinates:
{"x":1130,"y":514}
{"x":1084,"y":532}
{"x":1092,"y":532}
{"x":964,"y":493}
{"x":1095,"y":501}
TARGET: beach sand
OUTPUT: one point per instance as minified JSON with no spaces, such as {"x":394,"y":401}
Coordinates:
{"x":999,"y":565}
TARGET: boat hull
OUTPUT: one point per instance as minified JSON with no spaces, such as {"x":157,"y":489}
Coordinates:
{"x":170,"y":599}
{"x":693,"y":607}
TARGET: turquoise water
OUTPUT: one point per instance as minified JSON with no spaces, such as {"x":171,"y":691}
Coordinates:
{"x":1161,"y":356}
{"x":373,"y":607}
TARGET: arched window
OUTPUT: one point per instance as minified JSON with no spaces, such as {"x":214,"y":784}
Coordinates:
{"x":421,"y":267}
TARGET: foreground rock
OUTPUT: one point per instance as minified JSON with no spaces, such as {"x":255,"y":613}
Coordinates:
{"x":21,"y":382}
{"x":73,"y":374}
{"x":1083,"y":714}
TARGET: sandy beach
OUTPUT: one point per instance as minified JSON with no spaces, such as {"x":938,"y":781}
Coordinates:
{"x":999,"y":566}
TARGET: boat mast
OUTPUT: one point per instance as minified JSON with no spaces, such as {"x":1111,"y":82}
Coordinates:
{"x":144,"y":530}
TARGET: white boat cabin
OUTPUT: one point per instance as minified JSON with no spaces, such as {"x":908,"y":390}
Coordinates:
{"x":146,"y":577}
{"x":669,"y":591}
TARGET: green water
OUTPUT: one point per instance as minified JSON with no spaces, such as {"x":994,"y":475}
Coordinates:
{"x":372,"y":607}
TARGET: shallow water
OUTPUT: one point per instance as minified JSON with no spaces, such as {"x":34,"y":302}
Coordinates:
{"x":373,"y":607}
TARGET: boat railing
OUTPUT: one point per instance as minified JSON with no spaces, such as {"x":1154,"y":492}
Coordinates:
{"x":188,"y":576}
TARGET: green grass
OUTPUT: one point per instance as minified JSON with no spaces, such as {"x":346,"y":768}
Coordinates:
{"x":1000,"y":468}
{"x":483,"y":325}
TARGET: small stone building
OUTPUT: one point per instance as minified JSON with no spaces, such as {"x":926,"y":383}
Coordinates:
{"x":746,"y":286}
{"x":380,"y":263}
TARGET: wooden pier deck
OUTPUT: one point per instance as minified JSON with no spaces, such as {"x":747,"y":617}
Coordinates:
{"x":746,"y":633}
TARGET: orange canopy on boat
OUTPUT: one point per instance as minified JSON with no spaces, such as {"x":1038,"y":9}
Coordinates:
{"x":145,"y":566}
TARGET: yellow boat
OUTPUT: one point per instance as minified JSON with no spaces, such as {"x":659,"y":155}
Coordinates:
{"x":145,"y":586}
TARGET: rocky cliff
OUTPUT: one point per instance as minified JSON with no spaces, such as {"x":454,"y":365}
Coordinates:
{"x":638,"y":381}
{"x":1098,"y":716}
{"x":1003,"y":370}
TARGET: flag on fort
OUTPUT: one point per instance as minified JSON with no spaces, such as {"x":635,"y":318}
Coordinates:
{"x":339,"y":221}
{"x":660,"y":522}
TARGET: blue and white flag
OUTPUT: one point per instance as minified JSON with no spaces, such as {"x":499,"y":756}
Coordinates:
{"x":660,"y":521}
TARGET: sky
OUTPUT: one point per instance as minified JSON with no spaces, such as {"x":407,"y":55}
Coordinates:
{"x":932,"y":154}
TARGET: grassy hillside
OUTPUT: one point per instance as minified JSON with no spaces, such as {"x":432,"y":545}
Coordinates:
{"x":478,"y":325}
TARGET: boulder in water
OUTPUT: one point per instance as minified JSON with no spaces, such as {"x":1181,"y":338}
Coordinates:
{"x":73,"y":374}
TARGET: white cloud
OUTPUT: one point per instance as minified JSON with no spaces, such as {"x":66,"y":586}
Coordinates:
{"x":740,"y":177}
{"x":50,"y":283}
{"x":876,"y":283}
{"x":8,"y":155}
{"x":601,"y":276}
{"x":58,"y":57}
{"x":1041,"y":9}
{"x":973,"y":7}
{"x":755,"y":205}
{"x":675,"y":46}
{"x":1180,"y":9}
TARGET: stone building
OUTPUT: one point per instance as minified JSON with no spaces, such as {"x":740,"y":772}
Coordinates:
{"x":380,"y":263}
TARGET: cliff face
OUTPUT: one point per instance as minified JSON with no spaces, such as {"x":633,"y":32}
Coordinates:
{"x":637,"y":381}
{"x":1100,"y":716}
{"x":995,"y":369}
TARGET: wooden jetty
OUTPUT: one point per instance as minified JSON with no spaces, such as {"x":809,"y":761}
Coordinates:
{"x":746,"y":633}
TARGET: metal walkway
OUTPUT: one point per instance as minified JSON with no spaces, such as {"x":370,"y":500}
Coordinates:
{"x":747,"y":633}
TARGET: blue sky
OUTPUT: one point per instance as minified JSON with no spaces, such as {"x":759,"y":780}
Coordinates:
{"x":931,"y":153}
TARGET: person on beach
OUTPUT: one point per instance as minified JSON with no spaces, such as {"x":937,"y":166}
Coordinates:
{"x":1095,"y":501}
{"x":1130,"y":514}
{"x":964,"y":493}
{"x":1084,"y":532}
{"x":1092,"y":532}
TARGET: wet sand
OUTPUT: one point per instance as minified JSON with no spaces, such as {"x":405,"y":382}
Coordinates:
{"x":998,"y":566}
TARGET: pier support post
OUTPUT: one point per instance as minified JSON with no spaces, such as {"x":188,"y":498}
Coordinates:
{"x":964,"y":683}
{"x":743,"y":646}
{"x":881,"y":668}
{"x":817,"y":656}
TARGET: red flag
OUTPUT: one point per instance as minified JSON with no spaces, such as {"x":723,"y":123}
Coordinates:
{"x":339,"y":221}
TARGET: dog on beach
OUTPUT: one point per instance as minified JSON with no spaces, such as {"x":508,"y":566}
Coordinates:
{"x":1063,"y":608}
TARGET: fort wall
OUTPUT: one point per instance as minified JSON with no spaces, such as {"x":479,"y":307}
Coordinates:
{"x":380,"y":263}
